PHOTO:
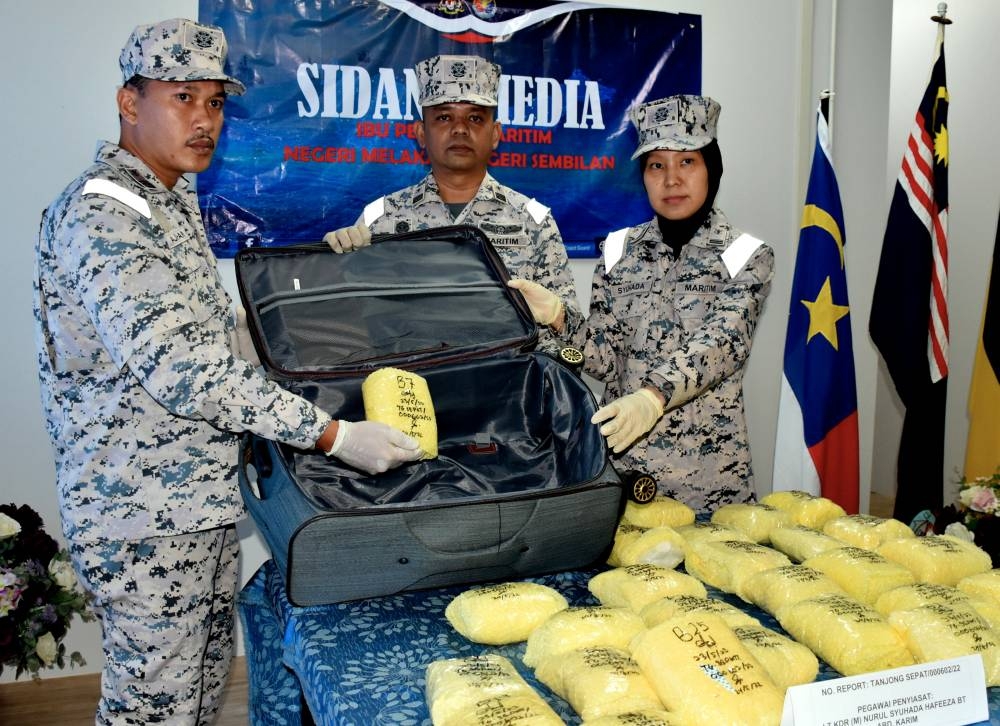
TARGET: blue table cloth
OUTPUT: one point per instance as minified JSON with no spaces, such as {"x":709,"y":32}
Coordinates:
{"x":362,"y":663}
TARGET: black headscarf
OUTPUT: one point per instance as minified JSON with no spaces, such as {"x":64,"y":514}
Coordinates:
{"x":677,"y":233}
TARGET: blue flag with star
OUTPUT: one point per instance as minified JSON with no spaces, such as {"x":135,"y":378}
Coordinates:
{"x":817,"y":440}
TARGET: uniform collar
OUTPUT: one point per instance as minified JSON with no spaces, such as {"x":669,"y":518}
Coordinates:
{"x":715,"y":235}
{"x":427,"y":190}
{"x":134,"y":169}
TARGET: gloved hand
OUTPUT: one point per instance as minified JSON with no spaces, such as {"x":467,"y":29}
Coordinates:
{"x":628,"y":418}
{"x":373,"y":447}
{"x":545,"y":305}
{"x":244,"y":343}
{"x":348,"y":239}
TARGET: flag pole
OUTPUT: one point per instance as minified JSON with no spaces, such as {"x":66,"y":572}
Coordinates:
{"x":826,"y":95}
{"x":940,"y":18}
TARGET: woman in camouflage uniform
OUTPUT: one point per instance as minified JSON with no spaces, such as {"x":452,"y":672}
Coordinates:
{"x":674,"y":307}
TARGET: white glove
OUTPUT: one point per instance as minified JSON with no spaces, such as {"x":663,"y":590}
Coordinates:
{"x":628,"y":418}
{"x":244,"y":343}
{"x":545,"y":305}
{"x":348,"y":239}
{"x":373,"y":447}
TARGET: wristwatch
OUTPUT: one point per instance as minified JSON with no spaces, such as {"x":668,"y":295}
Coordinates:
{"x":572,"y":358}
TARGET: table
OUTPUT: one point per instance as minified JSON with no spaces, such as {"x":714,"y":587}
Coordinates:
{"x":362,"y":663}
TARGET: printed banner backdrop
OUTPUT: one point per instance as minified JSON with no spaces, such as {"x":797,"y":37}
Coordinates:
{"x":327,"y":123}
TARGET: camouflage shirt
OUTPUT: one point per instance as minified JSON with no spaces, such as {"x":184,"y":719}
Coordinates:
{"x":685,"y":327}
{"x":140,"y":387}
{"x":522,"y":230}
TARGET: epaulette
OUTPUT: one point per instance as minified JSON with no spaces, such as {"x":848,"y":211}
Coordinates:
{"x":373,"y":210}
{"x":537,"y":210}
{"x":106,"y":188}
{"x":736,"y":255}
{"x":614,"y":247}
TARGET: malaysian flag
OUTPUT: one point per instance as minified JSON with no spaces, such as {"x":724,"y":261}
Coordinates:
{"x":909,"y":317}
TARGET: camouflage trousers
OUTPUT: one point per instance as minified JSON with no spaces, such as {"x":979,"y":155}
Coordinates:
{"x":166,"y":606}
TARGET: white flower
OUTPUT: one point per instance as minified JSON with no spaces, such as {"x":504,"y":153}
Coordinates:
{"x":965,"y":496}
{"x":63,"y":574}
{"x":47,"y":649}
{"x":959,"y":531}
{"x":8,"y":526}
{"x":10,"y":592}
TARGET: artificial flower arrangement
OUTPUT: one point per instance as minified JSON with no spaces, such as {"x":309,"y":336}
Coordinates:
{"x":39,"y":595}
{"x":975,"y":516}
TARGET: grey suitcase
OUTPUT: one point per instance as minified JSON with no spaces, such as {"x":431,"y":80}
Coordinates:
{"x":522,"y":484}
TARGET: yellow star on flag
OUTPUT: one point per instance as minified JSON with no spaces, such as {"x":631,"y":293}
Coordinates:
{"x":824,"y":314}
{"x":941,"y":145}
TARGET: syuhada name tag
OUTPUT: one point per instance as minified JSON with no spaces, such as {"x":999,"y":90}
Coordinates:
{"x":929,"y":694}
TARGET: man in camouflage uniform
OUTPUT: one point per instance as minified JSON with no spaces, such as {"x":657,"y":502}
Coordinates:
{"x":143,"y":389}
{"x":459,"y":130}
{"x":673,"y":311}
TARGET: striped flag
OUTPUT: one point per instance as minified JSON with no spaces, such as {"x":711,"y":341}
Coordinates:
{"x":982,"y":450}
{"x":909,"y":317}
{"x":816,"y":448}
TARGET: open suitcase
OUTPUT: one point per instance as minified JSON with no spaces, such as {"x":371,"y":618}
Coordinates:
{"x":521,"y":485}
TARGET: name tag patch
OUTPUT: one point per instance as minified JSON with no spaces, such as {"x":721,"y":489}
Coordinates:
{"x":700,"y":288}
{"x":627,"y":289}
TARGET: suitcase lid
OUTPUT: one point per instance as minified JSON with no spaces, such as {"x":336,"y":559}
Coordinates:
{"x":409,"y":301}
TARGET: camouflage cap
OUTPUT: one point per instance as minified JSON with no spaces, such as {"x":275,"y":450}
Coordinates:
{"x":676,"y":123}
{"x":178,"y":50}
{"x":458,"y":79}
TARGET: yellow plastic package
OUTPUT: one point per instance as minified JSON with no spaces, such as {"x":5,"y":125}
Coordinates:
{"x":661,"y":511}
{"x":938,"y":631}
{"x":635,"y":586}
{"x":483,"y":690}
{"x":985,"y":585}
{"x":726,"y":564}
{"x":504,"y":613}
{"x":756,"y":521}
{"x":864,"y":574}
{"x":402,"y":400}
{"x":582,"y":627}
{"x":773,"y":589}
{"x":598,"y":682}
{"x":800,"y":542}
{"x":865,"y":531}
{"x":670,"y":607}
{"x":787,"y":662}
{"x":703,"y":674}
{"x":937,"y":559}
{"x":625,"y":534}
{"x":849,"y":635}
{"x":656,"y":546}
{"x":708,"y":532}
{"x":909,"y":597}
{"x":805,"y":509}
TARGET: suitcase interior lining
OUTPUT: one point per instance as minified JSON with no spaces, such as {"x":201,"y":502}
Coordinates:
{"x":397,"y":299}
{"x":530,"y":407}
{"x":315,"y":335}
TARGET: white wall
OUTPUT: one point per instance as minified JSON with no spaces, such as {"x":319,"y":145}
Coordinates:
{"x":763,"y":61}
